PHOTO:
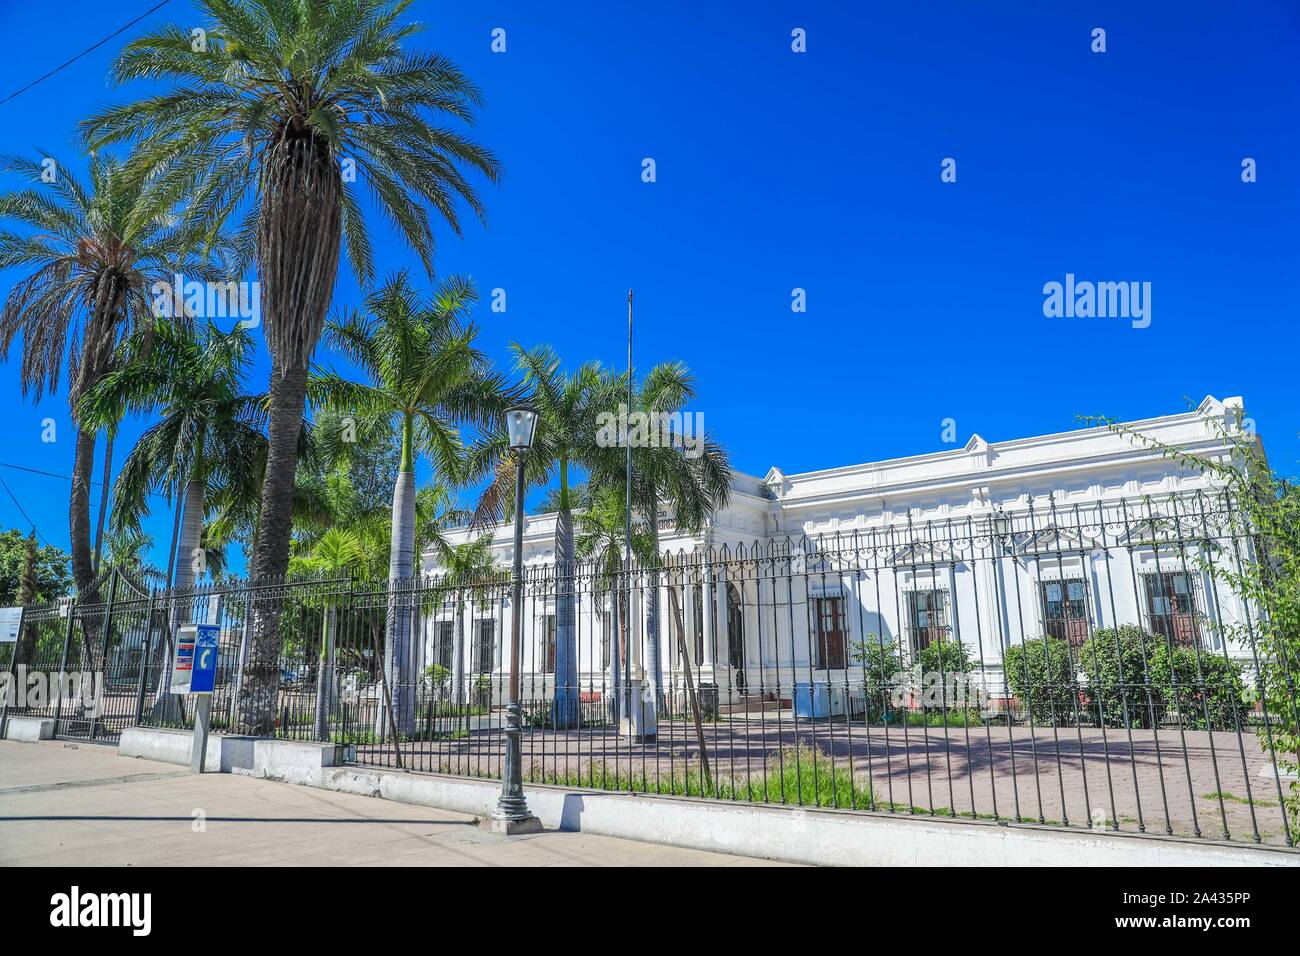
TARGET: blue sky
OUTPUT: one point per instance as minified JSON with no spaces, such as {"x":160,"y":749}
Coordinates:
{"x":821,"y":171}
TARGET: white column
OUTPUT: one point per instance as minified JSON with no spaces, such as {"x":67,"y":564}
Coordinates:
{"x":710,"y":608}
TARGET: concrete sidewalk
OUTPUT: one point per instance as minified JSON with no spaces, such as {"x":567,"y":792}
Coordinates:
{"x":81,"y":804}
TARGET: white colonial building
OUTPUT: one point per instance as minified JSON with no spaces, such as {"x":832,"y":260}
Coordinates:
{"x":989,"y":543}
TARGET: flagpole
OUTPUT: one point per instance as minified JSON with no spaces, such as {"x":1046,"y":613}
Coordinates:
{"x":627,"y":516}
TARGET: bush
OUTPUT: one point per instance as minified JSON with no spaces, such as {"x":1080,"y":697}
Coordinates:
{"x":881,"y":664}
{"x":947,"y":657}
{"x":1114,"y":651}
{"x":1038,"y":673}
{"x":1213,"y":688}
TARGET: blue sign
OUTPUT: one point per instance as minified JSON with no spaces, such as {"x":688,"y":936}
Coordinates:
{"x":203,"y":677}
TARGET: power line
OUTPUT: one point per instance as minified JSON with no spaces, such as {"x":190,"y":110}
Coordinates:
{"x":55,"y":474}
{"x":89,"y":49}
{"x":23,"y":511}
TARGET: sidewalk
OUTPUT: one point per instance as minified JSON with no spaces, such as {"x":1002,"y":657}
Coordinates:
{"x":81,"y":804}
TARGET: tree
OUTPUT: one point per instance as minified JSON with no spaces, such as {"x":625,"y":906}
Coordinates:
{"x":467,"y":568}
{"x":91,"y":257}
{"x":563,"y":440}
{"x":275,"y":119}
{"x":602,"y":539}
{"x":688,"y":475}
{"x":337,"y":552}
{"x":30,"y":574}
{"x":208,"y":434}
{"x":426,"y":374}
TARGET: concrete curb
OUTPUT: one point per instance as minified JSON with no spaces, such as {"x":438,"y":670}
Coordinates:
{"x":29,"y":729}
{"x":793,"y":834}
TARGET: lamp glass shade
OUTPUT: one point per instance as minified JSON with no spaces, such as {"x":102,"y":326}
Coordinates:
{"x":520,"y":425}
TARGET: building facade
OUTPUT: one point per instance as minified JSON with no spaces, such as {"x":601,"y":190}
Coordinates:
{"x":988,"y":545}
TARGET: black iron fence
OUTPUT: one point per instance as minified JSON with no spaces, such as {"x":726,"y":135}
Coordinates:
{"x":1086,"y":665}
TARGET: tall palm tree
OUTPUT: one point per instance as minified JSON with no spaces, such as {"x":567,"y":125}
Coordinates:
{"x":90,"y":253}
{"x":208,"y":435}
{"x":288,"y":107}
{"x":691,"y":482}
{"x":563,"y":441}
{"x":338,"y":551}
{"x":428,"y":376}
{"x":602,"y":539}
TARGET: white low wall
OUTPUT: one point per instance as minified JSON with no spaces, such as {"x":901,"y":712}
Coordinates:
{"x":29,"y":729}
{"x":801,"y":835}
{"x":823,"y":837}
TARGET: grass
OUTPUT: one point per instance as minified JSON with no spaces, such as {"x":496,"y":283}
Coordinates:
{"x":1233,"y":798}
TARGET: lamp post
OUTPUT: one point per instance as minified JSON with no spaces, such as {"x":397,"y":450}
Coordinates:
{"x":511,"y":814}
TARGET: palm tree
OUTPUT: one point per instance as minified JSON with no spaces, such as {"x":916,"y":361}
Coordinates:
{"x":563,"y":440}
{"x":291,"y":103}
{"x":466,"y":568}
{"x":602,"y":539}
{"x":209,"y":435}
{"x":692,"y":482}
{"x":91,"y":253}
{"x":427,"y":375}
{"x":337,"y":552}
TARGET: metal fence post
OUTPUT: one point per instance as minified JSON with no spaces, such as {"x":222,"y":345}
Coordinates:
{"x":63,"y":663}
{"x":145,"y":657}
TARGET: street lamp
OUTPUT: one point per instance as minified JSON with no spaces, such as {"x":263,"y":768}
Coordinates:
{"x":511,"y":813}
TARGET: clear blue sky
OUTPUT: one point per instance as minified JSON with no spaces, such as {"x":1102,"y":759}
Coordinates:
{"x":779,"y":170}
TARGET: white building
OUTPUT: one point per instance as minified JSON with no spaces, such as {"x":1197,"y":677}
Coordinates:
{"x":988,"y":543}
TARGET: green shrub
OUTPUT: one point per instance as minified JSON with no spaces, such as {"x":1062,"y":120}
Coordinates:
{"x":880,"y":663}
{"x":1112,"y":653}
{"x":1213,"y":690}
{"x":1038,"y":673}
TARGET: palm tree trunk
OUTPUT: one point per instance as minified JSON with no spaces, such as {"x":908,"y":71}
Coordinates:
{"x":652,"y":616}
{"x":397,"y":645}
{"x":166,"y":706}
{"x":103,"y":497}
{"x":565,"y":711}
{"x":326,"y":687}
{"x":259,"y":689}
{"x":83,"y":568}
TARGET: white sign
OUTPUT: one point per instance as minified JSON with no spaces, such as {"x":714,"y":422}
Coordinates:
{"x":183,"y":658}
{"x":11,"y":618}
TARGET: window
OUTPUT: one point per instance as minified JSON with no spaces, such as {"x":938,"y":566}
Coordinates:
{"x":1171,"y":604}
{"x":829,"y":617}
{"x":927,"y":617}
{"x":1065,"y":609}
{"x":487,"y":645}
{"x":548,"y":644}
{"x":444,"y":636}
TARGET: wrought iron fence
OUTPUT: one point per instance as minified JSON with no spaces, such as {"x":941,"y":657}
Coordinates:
{"x":1085,"y":665}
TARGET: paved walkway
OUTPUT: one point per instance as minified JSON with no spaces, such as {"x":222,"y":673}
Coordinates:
{"x":82,"y":804}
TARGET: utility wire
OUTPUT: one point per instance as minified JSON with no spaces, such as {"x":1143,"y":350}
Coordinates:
{"x":89,"y":49}
{"x":55,"y":474}
{"x":23,"y":511}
